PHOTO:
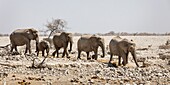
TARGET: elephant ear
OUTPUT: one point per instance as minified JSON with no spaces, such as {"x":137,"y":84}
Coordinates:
{"x":123,"y":45}
{"x":32,"y":33}
{"x":93,"y":39}
{"x":64,"y":36}
{"x":29,"y":31}
{"x":131,"y":46}
{"x":32,"y":30}
{"x":99,"y":39}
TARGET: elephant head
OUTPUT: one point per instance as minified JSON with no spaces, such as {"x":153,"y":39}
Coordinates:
{"x":128,"y":46}
{"x":33,"y":35}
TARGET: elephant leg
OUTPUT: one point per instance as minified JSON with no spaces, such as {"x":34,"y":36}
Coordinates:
{"x":43,"y":53}
{"x":111,"y":55}
{"x":37,"y":52}
{"x":54,"y":53}
{"x":95,"y":53}
{"x":26,"y":50}
{"x":57,"y":53}
{"x":47,"y":52}
{"x":12,"y":47}
{"x":28,"y":47}
{"x":16,"y":48}
{"x":79,"y":53}
{"x":124,"y":59}
{"x":119,"y":60}
{"x":127,"y":58}
{"x":64,"y":52}
{"x":88,"y":56}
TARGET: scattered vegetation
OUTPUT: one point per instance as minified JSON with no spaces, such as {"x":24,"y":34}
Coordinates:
{"x":55,"y":27}
{"x":112,"y":33}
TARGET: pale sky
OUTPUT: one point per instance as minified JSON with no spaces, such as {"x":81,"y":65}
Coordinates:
{"x":87,"y":16}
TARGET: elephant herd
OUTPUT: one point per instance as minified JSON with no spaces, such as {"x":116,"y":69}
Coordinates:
{"x":118,"y":46}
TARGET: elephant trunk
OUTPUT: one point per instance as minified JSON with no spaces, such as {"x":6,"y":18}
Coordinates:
{"x":70,"y":47}
{"x":71,"y":43}
{"x":134,"y":57}
{"x":37,"y":41}
{"x":103,"y":50}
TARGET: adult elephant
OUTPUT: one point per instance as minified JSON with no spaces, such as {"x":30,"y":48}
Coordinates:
{"x":22,"y":37}
{"x":61,"y":41}
{"x":89,"y":44}
{"x":121,"y":48}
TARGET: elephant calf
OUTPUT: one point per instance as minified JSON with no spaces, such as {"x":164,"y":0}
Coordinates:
{"x":122,"y":47}
{"x":42,"y":46}
{"x":49,"y":40}
{"x":89,"y":44}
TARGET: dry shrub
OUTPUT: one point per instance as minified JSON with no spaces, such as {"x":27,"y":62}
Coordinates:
{"x":164,"y":47}
{"x":142,"y":49}
{"x":141,"y":59}
{"x":164,"y":56}
{"x":23,"y":82}
{"x":169,"y":62}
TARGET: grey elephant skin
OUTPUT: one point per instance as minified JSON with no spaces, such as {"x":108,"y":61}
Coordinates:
{"x":121,"y":48}
{"x":43,"y":46}
{"x":49,"y":40}
{"x":61,"y":41}
{"x":22,"y":37}
{"x":89,"y":44}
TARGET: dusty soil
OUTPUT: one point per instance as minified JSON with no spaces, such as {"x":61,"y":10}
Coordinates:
{"x":154,"y":66}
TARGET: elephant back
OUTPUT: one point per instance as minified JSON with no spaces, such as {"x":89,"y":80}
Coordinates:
{"x":86,"y":36}
{"x":83,"y":40}
{"x":24,"y":30}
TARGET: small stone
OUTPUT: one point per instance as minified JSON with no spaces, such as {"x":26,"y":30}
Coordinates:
{"x":107,"y":84}
{"x":72,"y":65}
{"x":13,"y":76}
{"x":97,"y":71}
{"x":169,"y":62}
{"x":74,"y":80}
{"x":94,"y":77}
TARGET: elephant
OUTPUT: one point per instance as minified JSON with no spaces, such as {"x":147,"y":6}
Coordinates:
{"x":22,"y":37}
{"x":121,"y":48}
{"x":49,"y":40}
{"x":42,"y":46}
{"x":89,"y":44}
{"x":61,"y":41}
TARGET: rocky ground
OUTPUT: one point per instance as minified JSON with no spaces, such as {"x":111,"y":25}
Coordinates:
{"x":154,"y":67}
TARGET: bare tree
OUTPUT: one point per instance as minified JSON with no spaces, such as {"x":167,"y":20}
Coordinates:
{"x":57,"y":25}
